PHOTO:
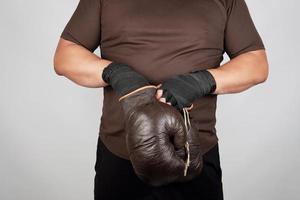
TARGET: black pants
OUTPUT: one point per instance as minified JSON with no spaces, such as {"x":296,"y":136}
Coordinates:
{"x":115,"y":179}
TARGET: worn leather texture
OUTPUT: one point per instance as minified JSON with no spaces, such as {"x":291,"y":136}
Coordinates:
{"x":156,"y":138}
{"x":112,"y":126}
{"x":154,"y":132}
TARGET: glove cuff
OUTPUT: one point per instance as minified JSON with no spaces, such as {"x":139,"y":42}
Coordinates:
{"x":138,"y":97}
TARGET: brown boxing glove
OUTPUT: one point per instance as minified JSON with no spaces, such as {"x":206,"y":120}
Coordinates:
{"x":155,"y":131}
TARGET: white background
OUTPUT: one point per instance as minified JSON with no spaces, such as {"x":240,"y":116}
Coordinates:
{"x":49,"y":125}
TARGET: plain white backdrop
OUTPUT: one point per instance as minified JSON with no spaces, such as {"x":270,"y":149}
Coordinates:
{"x":49,"y":125}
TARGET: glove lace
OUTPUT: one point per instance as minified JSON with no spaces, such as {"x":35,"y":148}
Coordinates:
{"x":187,"y":124}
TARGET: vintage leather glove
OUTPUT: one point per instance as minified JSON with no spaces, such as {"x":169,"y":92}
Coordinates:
{"x":181,"y":90}
{"x":154,"y":130}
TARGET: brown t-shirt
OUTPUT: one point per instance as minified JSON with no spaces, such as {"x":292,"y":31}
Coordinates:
{"x":160,"y":39}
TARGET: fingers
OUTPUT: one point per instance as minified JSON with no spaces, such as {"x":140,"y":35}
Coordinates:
{"x":164,"y":101}
{"x":159,"y":97}
{"x":159,"y":93}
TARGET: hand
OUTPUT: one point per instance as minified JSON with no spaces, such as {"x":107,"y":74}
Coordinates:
{"x":181,"y":90}
{"x":158,"y":95}
{"x":123,"y":78}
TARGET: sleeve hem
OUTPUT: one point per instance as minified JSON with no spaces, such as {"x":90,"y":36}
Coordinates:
{"x":71,"y":38}
{"x":252,"y":48}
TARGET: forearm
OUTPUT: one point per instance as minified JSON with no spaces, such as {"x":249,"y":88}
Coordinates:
{"x":241,"y":73}
{"x":79,"y":65}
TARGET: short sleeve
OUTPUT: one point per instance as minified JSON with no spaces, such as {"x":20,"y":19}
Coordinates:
{"x":84,"y":26}
{"x":241,"y":35}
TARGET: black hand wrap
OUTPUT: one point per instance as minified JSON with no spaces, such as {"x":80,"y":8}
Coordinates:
{"x":123,"y":78}
{"x":182,"y":89}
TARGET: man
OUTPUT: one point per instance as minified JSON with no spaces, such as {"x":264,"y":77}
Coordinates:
{"x":177,"y":46}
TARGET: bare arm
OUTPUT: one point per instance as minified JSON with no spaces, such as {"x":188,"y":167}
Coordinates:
{"x":79,"y":64}
{"x":239,"y":74}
